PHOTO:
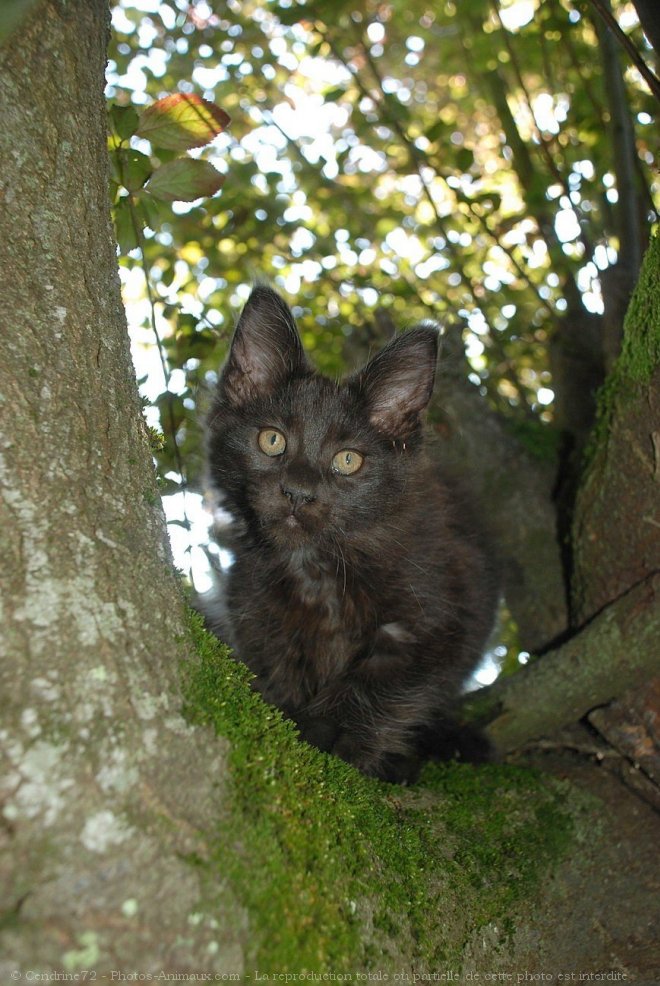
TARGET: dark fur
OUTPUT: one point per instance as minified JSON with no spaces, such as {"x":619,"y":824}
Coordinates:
{"x":362,"y":602}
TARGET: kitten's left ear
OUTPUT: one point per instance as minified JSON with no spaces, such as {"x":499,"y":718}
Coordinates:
{"x":398,"y":382}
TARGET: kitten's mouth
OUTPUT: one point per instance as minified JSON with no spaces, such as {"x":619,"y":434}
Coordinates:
{"x":292,"y":529}
{"x":295,"y":530}
{"x":283,"y":527}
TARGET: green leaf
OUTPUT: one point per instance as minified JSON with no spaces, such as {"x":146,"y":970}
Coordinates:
{"x":464,"y":159}
{"x":332,"y":95}
{"x":182,"y":121}
{"x":12,"y":12}
{"x":166,"y":487}
{"x":151,"y":212}
{"x":436,"y":130}
{"x":134,"y":168}
{"x":171,"y":410}
{"x":124,"y":226}
{"x":185,"y":180}
{"x":124,"y":120}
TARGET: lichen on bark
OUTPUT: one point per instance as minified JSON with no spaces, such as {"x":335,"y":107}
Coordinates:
{"x":616,"y":530}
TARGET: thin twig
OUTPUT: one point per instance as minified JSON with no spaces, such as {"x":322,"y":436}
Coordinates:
{"x":585,"y":749}
{"x":169,"y":400}
{"x":610,"y":20}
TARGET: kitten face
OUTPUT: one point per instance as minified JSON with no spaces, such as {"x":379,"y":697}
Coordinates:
{"x":311,"y":469}
{"x":302,"y":459}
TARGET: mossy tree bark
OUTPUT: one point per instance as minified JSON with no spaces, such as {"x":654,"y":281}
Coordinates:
{"x":616,"y":533}
{"x":105,"y":787}
{"x":615,"y":646}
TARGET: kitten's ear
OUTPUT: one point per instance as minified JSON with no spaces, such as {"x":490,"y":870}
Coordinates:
{"x":398,"y":382}
{"x":265,"y":351}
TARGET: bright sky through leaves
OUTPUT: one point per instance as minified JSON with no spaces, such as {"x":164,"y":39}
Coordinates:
{"x":446,"y":160}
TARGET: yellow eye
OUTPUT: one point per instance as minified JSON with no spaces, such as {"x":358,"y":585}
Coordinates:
{"x":347,"y":462}
{"x":271,"y":441}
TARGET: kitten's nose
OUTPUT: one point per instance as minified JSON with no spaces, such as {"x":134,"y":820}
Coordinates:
{"x":298,"y":494}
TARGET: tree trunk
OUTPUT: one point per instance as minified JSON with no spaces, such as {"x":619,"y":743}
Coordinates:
{"x":616,"y":535}
{"x":105,"y":786}
{"x":616,"y":550}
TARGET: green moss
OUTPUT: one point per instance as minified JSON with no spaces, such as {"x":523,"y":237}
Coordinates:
{"x":341,"y":872}
{"x":541,"y":440}
{"x":640,"y":349}
{"x":640,"y":352}
{"x":157,"y":440}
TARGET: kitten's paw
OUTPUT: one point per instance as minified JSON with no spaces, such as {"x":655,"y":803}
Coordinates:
{"x":463,"y":743}
{"x":317,"y":731}
{"x":394,"y":768}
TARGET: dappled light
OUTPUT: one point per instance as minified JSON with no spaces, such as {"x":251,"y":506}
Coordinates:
{"x":392,"y":163}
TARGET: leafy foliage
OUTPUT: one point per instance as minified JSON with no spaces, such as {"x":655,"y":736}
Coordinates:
{"x":387,"y":162}
{"x":175,"y":123}
{"x":179,"y":122}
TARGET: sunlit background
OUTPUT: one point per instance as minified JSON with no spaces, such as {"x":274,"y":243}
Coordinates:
{"x":414,"y":158}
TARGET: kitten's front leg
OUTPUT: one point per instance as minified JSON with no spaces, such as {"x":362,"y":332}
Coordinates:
{"x":379,"y":727}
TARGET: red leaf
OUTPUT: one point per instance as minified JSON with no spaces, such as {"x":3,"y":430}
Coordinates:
{"x":182,"y":121}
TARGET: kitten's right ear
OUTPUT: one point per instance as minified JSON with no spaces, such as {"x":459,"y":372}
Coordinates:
{"x":265,"y":351}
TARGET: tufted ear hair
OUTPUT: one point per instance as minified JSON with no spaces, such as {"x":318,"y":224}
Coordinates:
{"x":265,"y":351}
{"x":397,"y":383}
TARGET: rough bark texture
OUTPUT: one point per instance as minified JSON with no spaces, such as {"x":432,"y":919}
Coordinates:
{"x":616,"y":534}
{"x":104,"y":784}
{"x":617,"y":528}
{"x":616,"y":550}
{"x":631,"y":725}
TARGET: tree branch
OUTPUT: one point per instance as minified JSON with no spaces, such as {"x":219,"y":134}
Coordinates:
{"x":624,"y":153}
{"x":603,"y":9}
{"x":617,"y":650}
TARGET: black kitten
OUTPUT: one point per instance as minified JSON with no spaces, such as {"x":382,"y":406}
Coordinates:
{"x":361,"y":595}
